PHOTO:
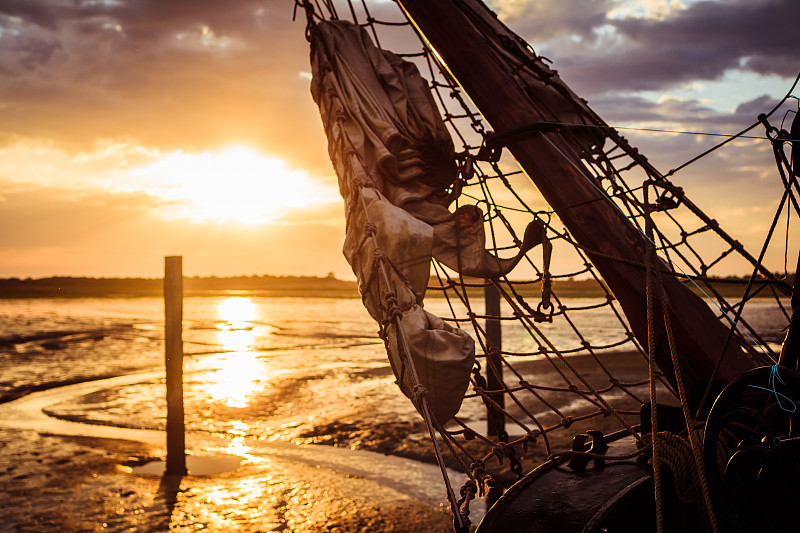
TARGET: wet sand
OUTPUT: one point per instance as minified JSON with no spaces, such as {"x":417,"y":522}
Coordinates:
{"x":74,"y":482}
{"x":82,"y":483}
{"x":63,"y":483}
{"x":302,"y":393}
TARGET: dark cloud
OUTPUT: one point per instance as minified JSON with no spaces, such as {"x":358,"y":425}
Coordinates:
{"x":701,"y":42}
{"x":754,"y":35}
{"x":756,"y":106}
{"x":194,"y":74}
{"x":693,"y":114}
{"x":189,"y":74}
{"x":544,"y":20}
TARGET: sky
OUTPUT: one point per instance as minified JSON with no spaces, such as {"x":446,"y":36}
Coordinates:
{"x":135,"y":129}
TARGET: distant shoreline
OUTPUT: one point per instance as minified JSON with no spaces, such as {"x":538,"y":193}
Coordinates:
{"x":281,"y":286}
{"x":86,"y":287}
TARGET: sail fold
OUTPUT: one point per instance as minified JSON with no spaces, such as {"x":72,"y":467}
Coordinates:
{"x":395,"y":161}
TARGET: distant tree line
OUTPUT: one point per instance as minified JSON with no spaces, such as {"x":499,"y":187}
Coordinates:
{"x":68,"y":286}
{"x":73,"y":287}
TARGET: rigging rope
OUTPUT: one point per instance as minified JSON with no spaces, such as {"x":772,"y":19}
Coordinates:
{"x":660,"y":130}
{"x":723,"y":143}
{"x":534,"y":407}
{"x":655,"y":283}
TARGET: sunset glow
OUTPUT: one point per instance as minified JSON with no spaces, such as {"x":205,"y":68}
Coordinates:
{"x":237,"y":312}
{"x":234,"y":185}
{"x":274,"y":265}
{"x":134,"y":130}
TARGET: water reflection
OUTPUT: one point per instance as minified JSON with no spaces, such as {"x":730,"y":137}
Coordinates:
{"x":236,"y":317}
{"x":239,"y":375}
{"x":240,"y":371}
{"x":237,"y":445}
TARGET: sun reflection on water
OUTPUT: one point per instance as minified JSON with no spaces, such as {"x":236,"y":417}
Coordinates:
{"x":236,"y":316}
{"x":238,"y":376}
{"x":237,"y":445}
{"x":240,"y":372}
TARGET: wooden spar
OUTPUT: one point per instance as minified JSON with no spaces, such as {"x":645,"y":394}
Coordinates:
{"x":551,"y":163}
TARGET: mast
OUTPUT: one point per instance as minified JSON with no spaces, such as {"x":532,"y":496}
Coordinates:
{"x":475,"y":48}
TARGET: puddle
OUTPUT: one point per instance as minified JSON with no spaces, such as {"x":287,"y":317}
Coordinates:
{"x":197,"y":465}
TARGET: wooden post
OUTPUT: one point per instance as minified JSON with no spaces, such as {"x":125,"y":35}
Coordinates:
{"x":173,"y":328}
{"x":495,"y":420}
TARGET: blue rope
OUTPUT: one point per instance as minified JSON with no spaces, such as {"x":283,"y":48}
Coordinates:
{"x":773,"y":377}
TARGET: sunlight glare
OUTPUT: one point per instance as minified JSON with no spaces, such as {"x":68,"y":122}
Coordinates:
{"x":237,"y":445}
{"x":239,"y":376}
{"x":234,"y":185}
{"x":240,"y":371}
{"x":237,"y":312}
{"x":236,"y":315}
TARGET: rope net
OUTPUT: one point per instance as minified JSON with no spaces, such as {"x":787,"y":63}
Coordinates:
{"x":555,"y":354}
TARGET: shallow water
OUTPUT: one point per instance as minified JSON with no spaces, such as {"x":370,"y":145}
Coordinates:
{"x":254,"y":366}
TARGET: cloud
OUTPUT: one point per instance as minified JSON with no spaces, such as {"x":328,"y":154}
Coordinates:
{"x":544,"y":20}
{"x":92,"y":89}
{"x":634,"y":53}
{"x":179,"y":74}
{"x":682,"y":113}
{"x":237,"y":184}
{"x":25,"y":52}
{"x":61,"y":231}
{"x":46,"y":215}
{"x":735,"y":167}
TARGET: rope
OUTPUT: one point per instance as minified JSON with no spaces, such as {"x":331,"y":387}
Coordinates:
{"x":652,"y":130}
{"x":786,"y":193}
{"x":723,"y":143}
{"x":675,"y":453}
{"x":696,"y":447}
{"x":419,"y":392}
{"x":540,"y":417}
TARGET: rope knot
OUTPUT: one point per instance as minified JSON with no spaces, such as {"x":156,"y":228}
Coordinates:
{"x":418,"y":393}
{"x":468,"y":491}
{"x":392,"y":307}
{"x":500,"y":450}
{"x":530,"y":439}
{"x":477,"y":469}
{"x":469,"y":488}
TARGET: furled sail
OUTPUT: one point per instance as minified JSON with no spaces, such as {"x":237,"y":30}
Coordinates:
{"x":395,"y":163}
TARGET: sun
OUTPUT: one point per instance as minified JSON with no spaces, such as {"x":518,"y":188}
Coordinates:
{"x":237,"y":184}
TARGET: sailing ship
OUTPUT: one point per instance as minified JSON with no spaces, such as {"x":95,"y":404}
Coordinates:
{"x":686,"y":419}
